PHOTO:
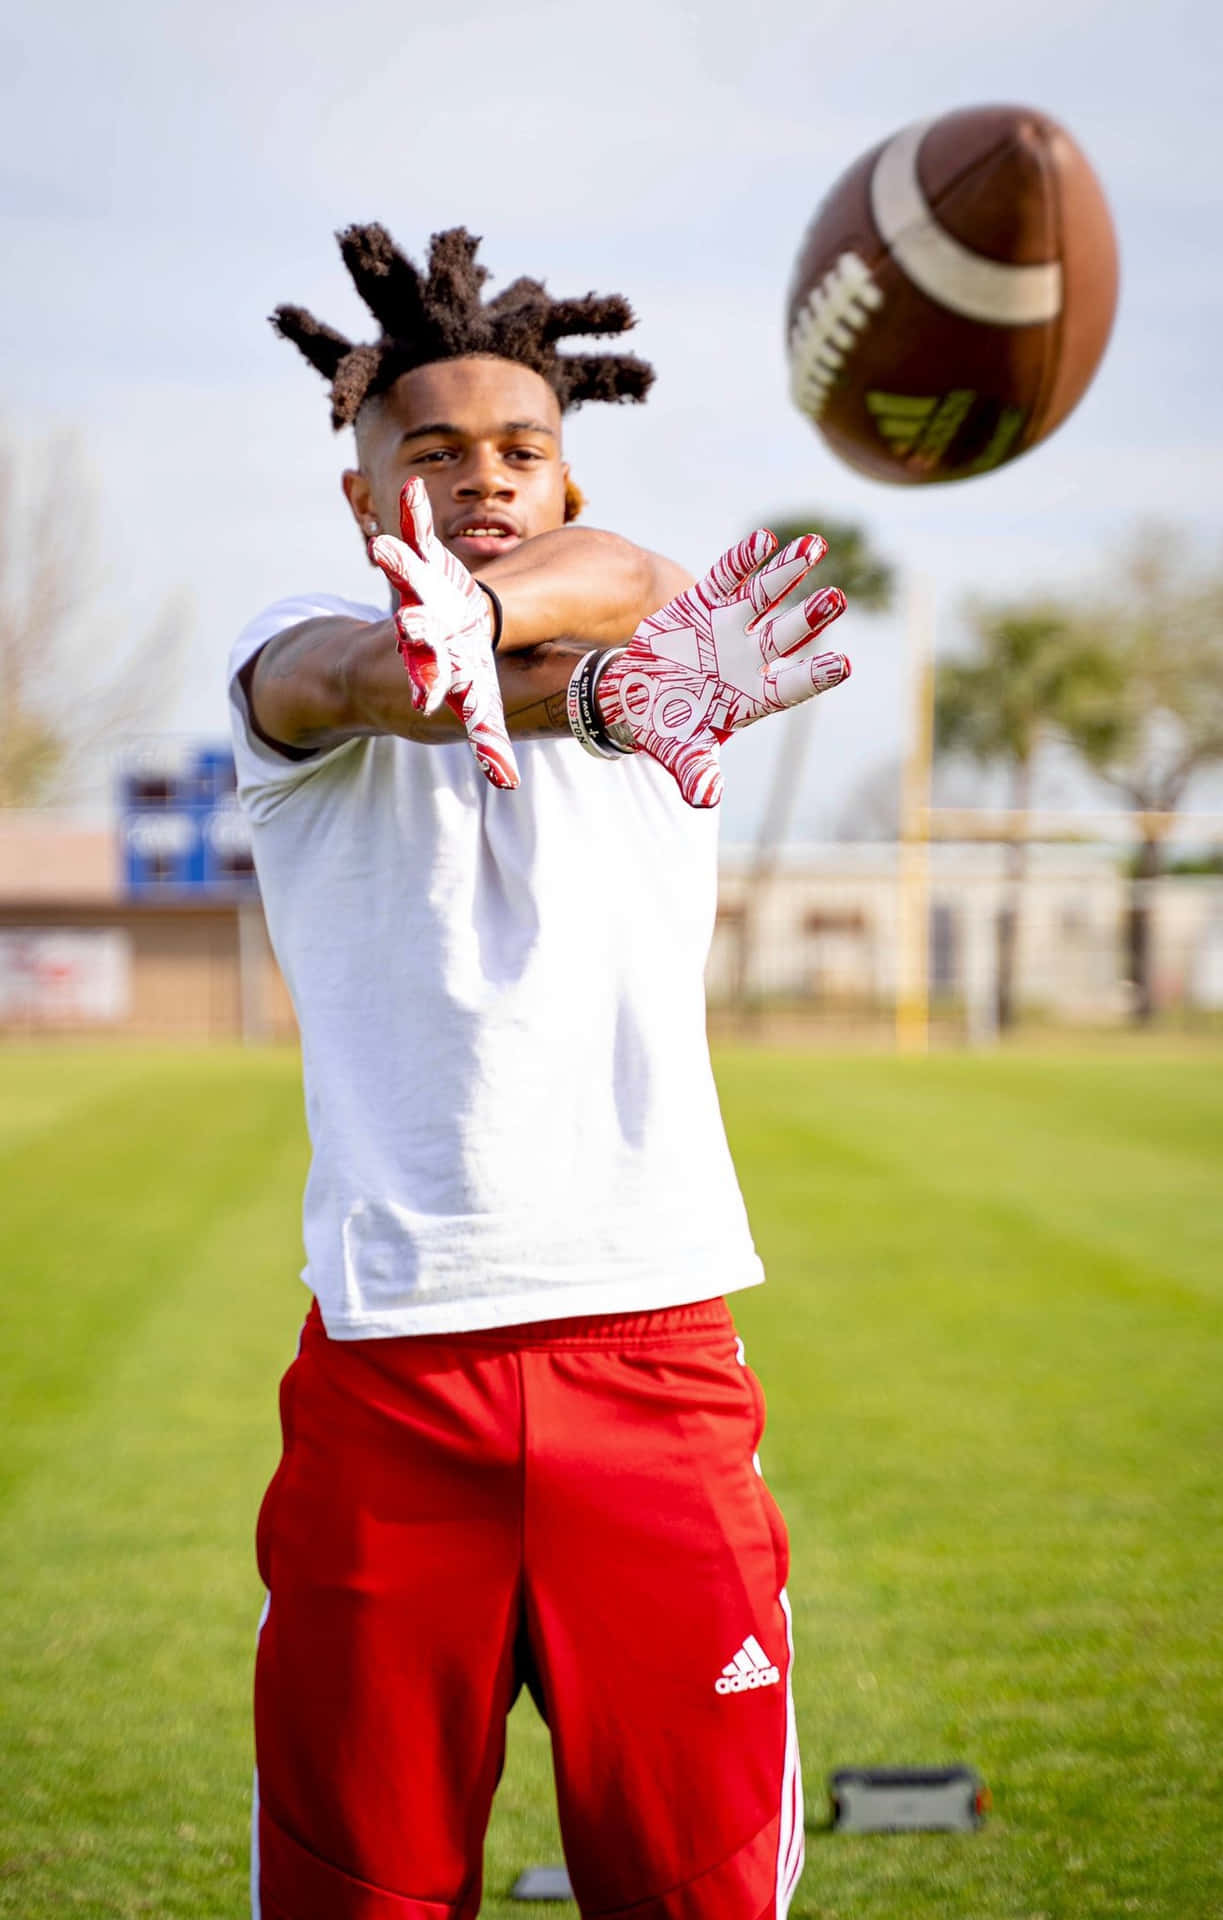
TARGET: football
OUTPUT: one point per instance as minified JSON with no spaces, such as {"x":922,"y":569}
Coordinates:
{"x":953,"y":296}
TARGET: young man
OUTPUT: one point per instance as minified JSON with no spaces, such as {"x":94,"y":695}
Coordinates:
{"x":519,"y":1436}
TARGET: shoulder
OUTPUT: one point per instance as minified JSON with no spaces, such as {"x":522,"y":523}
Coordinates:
{"x":283,"y":614}
{"x":266,"y":775}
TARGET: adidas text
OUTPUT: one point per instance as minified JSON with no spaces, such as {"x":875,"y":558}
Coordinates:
{"x":743,"y":1682}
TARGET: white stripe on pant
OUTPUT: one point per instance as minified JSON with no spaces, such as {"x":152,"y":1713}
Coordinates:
{"x":791,"y":1839}
{"x":256,"y":1903}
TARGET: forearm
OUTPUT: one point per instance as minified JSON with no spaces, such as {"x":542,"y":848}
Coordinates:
{"x":579,"y":583}
{"x":533,"y":685}
{"x":331,"y":680}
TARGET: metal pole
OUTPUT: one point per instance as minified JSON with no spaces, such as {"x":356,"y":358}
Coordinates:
{"x":913,"y":954}
{"x":252,"y":951}
{"x":794,"y":732}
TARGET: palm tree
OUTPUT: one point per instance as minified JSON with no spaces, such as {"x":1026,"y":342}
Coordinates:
{"x":1032,"y":673}
{"x":850,"y":563}
{"x":867,"y":581}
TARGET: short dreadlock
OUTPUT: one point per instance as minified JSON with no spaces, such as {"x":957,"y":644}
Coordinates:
{"x":442,"y":317}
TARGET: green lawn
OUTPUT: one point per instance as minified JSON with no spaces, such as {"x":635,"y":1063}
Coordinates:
{"x":992,"y":1349}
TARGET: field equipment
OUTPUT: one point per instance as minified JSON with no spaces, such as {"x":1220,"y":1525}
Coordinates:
{"x":542,"y":1883}
{"x":907,"y":1799}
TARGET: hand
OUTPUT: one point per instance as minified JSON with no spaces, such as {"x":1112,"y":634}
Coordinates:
{"x":445,"y":627}
{"x":718,"y":657}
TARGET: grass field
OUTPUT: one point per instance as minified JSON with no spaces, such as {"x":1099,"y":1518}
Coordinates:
{"x":992,"y":1347}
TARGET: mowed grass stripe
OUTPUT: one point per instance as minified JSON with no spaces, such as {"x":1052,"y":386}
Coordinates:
{"x":104,"y":1210}
{"x":41,"y":1084}
{"x":1088,"y":1148}
{"x":996,"y":1444}
{"x":129,"y":1613}
{"x":994,"y":1430}
{"x":130,"y":1606}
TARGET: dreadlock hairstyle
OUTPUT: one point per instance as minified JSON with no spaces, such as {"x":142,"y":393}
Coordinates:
{"x":441,"y":316}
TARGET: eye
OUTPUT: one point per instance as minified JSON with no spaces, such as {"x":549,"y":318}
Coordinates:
{"x":433,"y":457}
{"x":524,"y":456}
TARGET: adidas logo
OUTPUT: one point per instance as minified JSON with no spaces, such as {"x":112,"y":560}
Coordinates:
{"x":751,"y":1667}
{"x":900,"y":418}
{"x":926,"y":427}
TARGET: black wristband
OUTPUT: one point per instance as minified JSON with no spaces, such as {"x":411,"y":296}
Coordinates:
{"x":498,"y":614}
{"x":586,"y":723}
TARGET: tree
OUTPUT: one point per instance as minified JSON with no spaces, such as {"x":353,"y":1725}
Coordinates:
{"x":867,"y":581}
{"x":1032,"y":673}
{"x":65,"y":693}
{"x":851,"y":563}
{"x":1156,"y":718}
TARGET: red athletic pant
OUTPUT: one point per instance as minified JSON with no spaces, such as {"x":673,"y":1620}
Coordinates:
{"x":575,"y":1504}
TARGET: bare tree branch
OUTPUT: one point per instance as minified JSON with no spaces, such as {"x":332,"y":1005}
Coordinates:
{"x":67,"y":689}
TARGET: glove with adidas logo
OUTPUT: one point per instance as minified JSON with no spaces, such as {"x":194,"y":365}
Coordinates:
{"x":720,"y":657}
{"x":445,"y":627}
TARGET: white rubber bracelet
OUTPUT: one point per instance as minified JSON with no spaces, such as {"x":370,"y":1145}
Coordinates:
{"x":615,"y":732}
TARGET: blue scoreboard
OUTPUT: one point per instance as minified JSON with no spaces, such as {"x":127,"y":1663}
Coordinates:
{"x":181,"y":831}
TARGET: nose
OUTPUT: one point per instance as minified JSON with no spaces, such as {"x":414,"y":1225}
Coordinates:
{"x":484,"y":476}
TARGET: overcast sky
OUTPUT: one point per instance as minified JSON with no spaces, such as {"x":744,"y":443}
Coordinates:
{"x":172,"y":173}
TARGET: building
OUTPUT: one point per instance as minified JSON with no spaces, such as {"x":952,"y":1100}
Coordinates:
{"x":82,"y":952}
{"x":110,"y":927}
{"x":822,"y":930}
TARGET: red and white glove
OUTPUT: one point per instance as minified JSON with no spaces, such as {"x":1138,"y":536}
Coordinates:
{"x":717,"y":658}
{"x":445,"y":627}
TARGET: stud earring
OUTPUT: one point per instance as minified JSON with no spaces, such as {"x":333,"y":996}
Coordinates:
{"x":371,"y":527}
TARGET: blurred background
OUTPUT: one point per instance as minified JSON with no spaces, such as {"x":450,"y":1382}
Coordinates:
{"x":167,"y":468}
{"x":991,"y":1337}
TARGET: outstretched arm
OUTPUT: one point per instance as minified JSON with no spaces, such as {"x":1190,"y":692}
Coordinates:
{"x":718,"y":656}
{"x":332,"y":679}
{"x":580,"y":583}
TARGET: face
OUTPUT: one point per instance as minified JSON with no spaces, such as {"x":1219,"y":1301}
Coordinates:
{"x":485,"y":437}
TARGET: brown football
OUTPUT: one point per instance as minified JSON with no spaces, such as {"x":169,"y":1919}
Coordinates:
{"x":953,"y":296}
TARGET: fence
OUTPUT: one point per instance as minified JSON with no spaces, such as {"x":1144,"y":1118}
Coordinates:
{"x":823,"y":933}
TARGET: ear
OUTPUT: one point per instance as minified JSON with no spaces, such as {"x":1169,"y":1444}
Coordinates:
{"x":575,"y":499}
{"x":360,"y":500}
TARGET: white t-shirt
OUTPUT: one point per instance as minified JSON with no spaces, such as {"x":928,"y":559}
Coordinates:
{"x":501,"y":1004}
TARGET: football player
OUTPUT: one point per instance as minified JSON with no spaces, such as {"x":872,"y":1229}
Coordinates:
{"x":520,"y":1439}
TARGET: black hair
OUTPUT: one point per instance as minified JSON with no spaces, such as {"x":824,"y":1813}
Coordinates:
{"x":442,"y":316}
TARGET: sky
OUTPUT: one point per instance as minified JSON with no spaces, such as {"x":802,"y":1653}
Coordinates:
{"x":170,"y":174}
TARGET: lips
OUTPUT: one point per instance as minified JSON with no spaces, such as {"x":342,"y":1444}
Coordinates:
{"x":482,"y":536}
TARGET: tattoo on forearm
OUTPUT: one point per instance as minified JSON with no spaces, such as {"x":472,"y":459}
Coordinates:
{"x":543,"y":716}
{"x":532,"y":707}
{"x":534,"y":703}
